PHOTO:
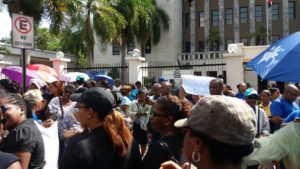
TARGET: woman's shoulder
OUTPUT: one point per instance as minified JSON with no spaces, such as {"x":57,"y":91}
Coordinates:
{"x":7,"y":159}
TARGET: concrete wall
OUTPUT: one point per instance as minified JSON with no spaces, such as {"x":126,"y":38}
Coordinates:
{"x":36,"y":56}
{"x":170,"y":42}
{"x":234,"y":65}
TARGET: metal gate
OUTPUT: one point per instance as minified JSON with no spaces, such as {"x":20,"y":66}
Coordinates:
{"x":112,"y":71}
{"x":154,"y":70}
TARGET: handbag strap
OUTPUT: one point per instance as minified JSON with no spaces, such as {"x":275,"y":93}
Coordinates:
{"x":172,"y":156}
{"x":61,"y":107}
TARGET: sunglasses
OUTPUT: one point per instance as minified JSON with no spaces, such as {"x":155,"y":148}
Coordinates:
{"x":3,"y":109}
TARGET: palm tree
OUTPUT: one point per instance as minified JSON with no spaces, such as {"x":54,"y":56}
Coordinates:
{"x":214,"y":39}
{"x":259,"y":35}
{"x":89,"y":20}
{"x":53,"y":10}
{"x":144,"y":20}
{"x":159,"y":19}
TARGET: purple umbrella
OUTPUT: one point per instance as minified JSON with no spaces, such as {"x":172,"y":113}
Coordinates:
{"x":15,"y":73}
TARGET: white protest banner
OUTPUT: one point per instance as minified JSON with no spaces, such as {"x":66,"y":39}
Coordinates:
{"x":196,"y":85}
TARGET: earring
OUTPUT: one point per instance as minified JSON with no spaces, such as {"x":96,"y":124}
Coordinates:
{"x":196,"y":159}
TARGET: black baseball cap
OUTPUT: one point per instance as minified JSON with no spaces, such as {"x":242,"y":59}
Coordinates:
{"x":99,"y":99}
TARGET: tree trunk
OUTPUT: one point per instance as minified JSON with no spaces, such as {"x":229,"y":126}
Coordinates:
{"x":90,"y":54}
{"x":143,"y":52}
{"x":123,"y":55}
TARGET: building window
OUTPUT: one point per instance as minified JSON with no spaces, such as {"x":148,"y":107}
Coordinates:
{"x":258,"y":13}
{"x":292,"y":10}
{"x":275,"y":11}
{"x":197,"y":73}
{"x":275,"y":38}
{"x":229,"y":16}
{"x":187,"y":47}
{"x":201,"y":19}
{"x":243,"y":15}
{"x":201,"y":46}
{"x":228,"y":41}
{"x":214,"y":17}
{"x":148,"y":47}
{"x":187,"y":20}
{"x":244,"y":41}
{"x":115,"y":49}
{"x":130,"y":47}
{"x":212,"y":73}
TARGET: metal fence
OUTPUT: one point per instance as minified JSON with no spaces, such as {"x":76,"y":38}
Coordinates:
{"x":112,"y":70}
{"x":151,"y":71}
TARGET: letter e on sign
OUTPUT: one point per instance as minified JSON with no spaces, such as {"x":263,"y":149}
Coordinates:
{"x":23,"y":33}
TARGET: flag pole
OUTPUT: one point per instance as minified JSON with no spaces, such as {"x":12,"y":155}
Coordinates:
{"x":267,"y":21}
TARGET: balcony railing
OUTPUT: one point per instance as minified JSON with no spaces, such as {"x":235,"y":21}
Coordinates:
{"x":199,"y":56}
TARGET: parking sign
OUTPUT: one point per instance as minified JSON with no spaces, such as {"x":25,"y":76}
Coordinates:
{"x":23,"y":33}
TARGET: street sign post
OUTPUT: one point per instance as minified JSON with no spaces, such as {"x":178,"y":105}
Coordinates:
{"x":23,"y":37}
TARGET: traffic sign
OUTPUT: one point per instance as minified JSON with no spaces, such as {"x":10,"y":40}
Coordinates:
{"x":23,"y":33}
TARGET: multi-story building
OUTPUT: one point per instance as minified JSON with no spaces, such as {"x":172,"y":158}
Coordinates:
{"x":200,"y":31}
{"x":210,"y":25}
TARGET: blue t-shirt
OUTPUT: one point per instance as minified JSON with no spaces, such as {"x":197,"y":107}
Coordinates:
{"x":133,"y":94}
{"x":239,"y":95}
{"x":282,"y":108}
{"x":292,"y":116}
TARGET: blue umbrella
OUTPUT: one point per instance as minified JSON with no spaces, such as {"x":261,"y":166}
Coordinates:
{"x":104,"y":77}
{"x":281,"y":61}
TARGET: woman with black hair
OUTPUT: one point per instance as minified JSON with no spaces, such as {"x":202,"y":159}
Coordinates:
{"x":140,"y":109}
{"x":8,"y":86}
{"x":24,"y":139}
{"x":166,"y":111}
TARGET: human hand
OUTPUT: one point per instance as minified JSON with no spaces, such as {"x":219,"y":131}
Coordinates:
{"x":182,"y":93}
{"x":170,"y":165}
{"x":47,"y":123}
{"x":297,"y":120}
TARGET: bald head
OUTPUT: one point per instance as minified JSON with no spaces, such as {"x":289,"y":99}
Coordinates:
{"x":165,"y":89}
{"x":290,"y":93}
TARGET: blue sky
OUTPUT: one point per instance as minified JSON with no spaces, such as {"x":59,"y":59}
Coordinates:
{"x":6,"y":24}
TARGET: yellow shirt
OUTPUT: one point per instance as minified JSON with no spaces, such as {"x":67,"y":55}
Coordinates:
{"x":266,"y":109}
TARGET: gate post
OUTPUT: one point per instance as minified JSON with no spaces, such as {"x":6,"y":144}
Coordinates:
{"x":234,"y":66}
{"x":134,"y":64}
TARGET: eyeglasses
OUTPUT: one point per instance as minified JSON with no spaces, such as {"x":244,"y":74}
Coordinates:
{"x":68,"y":93}
{"x":77,"y":107}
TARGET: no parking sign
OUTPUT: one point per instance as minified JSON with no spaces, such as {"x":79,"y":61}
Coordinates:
{"x":23,"y":33}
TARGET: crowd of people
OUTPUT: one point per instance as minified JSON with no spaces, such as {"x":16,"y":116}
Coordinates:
{"x":89,"y":124}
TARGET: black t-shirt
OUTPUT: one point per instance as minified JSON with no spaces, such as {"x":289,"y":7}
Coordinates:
{"x":95,"y":150}
{"x":158,"y":153}
{"x":7,"y":159}
{"x":26,"y":138}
